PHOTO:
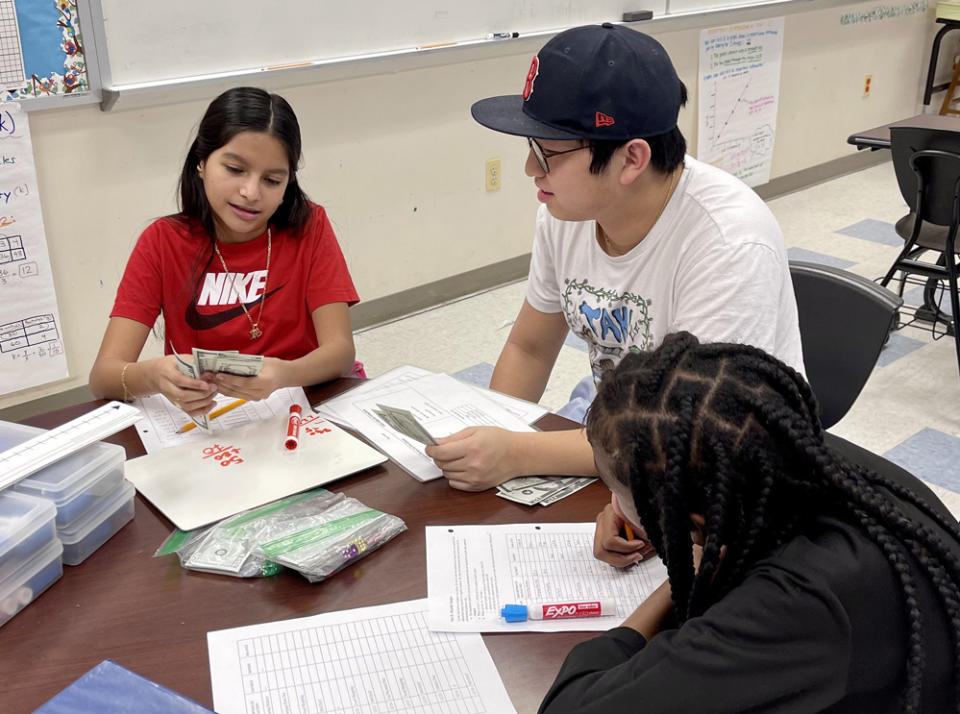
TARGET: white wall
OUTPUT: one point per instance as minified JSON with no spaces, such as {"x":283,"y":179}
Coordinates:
{"x":398,"y":162}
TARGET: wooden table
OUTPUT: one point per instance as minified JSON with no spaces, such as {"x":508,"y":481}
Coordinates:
{"x":151,"y":616}
{"x":879,"y":136}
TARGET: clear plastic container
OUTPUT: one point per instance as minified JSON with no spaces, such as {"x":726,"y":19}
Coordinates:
{"x":75,"y":484}
{"x":97,"y":527}
{"x":34,"y":575}
{"x":26,"y":527}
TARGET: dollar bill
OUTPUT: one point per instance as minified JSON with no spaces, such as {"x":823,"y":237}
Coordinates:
{"x":543,"y":490}
{"x":578,"y":483}
{"x":405,"y":422}
{"x":228,"y":361}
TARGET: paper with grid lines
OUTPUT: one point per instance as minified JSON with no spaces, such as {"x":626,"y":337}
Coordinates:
{"x":473,"y":571}
{"x":372,"y":659}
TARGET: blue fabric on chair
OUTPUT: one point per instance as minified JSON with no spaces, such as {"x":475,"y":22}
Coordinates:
{"x":580,"y":399}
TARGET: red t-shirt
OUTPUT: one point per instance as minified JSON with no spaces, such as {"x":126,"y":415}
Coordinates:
{"x":174,"y":270}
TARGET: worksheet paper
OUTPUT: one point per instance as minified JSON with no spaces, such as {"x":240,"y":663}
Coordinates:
{"x":442,"y":404}
{"x":372,"y":659}
{"x":161,"y":419}
{"x":333,"y":409}
{"x":473,"y":571}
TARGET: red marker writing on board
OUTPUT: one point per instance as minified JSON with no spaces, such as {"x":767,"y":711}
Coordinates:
{"x":293,"y":428}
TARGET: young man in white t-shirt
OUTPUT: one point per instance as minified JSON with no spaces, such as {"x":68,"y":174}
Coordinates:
{"x":634,"y":240}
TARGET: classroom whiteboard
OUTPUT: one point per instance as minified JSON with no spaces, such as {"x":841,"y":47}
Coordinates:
{"x":182,"y":39}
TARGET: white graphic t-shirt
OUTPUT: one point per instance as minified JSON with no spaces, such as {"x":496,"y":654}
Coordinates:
{"x":714,"y":265}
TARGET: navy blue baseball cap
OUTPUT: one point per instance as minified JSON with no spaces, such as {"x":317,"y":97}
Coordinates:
{"x":592,"y":82}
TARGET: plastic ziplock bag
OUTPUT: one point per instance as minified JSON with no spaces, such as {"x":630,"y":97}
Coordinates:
{"x":316,"y":533}
{"x":348,"y":531}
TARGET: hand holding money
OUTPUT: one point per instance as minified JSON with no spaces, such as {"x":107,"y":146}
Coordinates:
{"x":217,"y":362}
{"x":189,"y":393}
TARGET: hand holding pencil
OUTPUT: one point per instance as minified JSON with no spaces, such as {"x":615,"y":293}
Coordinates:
{"x":615,"y":541}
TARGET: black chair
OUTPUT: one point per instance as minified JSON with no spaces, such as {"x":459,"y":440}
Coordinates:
{"x":927,"y":166}
{"x":844,"y":322}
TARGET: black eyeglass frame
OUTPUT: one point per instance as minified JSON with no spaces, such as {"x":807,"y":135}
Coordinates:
{"x":541,"y":154}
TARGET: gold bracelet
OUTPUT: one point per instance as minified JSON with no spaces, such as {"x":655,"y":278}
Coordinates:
{"x":123,"y":383}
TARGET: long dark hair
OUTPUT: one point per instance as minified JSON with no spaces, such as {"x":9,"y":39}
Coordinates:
{"x":237,"y":110}
{"x":729,"y":432}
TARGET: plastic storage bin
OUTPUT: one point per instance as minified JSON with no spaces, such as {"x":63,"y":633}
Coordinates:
{"x":84,"y":536}
{"x":26,"y":528}
{"x":24,"y":584}
{"x":74,"y":484}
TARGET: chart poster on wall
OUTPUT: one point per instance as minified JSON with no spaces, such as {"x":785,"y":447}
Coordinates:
{"x":41,"y":49}
{"x":31,"y":338}
{"x":739,"y":89}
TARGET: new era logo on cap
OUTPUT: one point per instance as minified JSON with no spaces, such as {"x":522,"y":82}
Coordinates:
{"x":603,"y":120}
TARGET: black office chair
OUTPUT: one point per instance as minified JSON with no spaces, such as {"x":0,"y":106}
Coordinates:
{"x":844,"y":322}
{"x":927,"y":166}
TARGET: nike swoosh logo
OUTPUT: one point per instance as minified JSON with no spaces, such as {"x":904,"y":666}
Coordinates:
{"x":199,"y":321}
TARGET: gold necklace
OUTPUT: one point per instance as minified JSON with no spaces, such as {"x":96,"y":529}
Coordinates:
{"x":255,"y":330}
{"x":602,"y":234}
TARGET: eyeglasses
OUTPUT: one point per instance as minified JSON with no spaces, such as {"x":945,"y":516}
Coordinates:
{"x":542,"y":154}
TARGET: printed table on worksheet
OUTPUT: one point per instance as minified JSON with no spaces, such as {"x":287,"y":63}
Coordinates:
{"x":377,"y":659}
{"x":473,"y":571}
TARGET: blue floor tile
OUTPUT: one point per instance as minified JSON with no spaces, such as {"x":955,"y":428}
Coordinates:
{"x":914,"y":298}
{"x":478,"y":375}
{"x":873,"y":230}
{"x":813,"y":257}
{"x":930,"y":455}
{"x":897,"y":346}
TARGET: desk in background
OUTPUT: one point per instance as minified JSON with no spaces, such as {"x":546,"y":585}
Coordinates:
{"x":879,"y":136}
{"x":152,"y":617}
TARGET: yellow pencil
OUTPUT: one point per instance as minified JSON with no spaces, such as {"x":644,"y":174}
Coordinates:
{"x":214,"y":414}
{"x":628,"y":531}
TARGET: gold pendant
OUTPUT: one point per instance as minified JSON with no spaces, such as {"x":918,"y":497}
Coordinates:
{"x":255,"y":332}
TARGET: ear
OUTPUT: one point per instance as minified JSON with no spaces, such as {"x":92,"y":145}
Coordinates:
{"x":200,"y":165}
{"x":636,"y":159}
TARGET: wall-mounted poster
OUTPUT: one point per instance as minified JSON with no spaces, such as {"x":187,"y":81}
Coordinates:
{"x":31,"y":338}
{"x":41,"y":49}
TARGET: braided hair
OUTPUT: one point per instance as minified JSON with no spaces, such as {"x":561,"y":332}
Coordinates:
{"x":729,"y":432}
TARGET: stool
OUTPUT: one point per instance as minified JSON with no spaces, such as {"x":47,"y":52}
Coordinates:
{"x":929,"y":89}
{"x":951,"y":91}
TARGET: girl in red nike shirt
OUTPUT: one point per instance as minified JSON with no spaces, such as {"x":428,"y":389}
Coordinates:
{"x":249,"y":264}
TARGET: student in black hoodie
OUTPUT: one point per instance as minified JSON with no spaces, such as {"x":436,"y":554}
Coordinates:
{"x":805,"y":574}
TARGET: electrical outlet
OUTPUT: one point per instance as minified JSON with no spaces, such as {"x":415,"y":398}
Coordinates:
{"x":493,"y":174}
{"x":866,"y":85}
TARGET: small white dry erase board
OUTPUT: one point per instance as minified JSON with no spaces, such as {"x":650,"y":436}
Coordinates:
{"x":200,"y":482}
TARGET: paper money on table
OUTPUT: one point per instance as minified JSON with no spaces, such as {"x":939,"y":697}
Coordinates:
{"x":543,"y":490}
{"x":405,"y":422}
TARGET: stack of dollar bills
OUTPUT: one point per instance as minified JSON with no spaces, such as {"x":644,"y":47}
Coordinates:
{"x":543,"y":490}
{"x":229,"y":361}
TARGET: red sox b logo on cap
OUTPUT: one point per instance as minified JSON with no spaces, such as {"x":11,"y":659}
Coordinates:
{"x":531,"y":75}
{"x":603,"y":119}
